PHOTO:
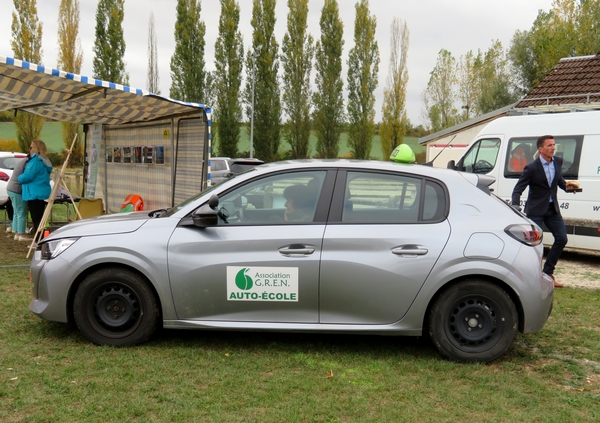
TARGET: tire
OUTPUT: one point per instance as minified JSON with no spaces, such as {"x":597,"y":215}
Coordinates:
{"x":473,"y":321}
{"x":116,"y":307}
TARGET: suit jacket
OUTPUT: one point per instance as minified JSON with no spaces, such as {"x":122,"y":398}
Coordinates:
{"x":539,"y":191}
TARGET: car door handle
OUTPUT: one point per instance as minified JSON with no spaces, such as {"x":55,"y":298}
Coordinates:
{"x":410,"y":250}
{"x":297,"y":250}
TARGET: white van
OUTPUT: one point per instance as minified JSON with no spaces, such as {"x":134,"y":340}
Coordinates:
{"x":508,"y":143}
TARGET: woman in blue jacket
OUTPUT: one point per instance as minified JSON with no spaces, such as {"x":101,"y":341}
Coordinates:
{"x":35,"y":182}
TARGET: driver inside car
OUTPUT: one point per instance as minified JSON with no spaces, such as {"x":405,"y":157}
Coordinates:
{"x":299,"y":205}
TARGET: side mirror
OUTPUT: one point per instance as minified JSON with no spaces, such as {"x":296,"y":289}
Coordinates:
{"x":213,"y":202}
{"x":207,"y":215}
{"x":451,"y":165}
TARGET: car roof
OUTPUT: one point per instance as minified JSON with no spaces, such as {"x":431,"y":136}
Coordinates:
{"x":12,"y":154}
{"x":442,"y":174}
{"x":360,"y":164}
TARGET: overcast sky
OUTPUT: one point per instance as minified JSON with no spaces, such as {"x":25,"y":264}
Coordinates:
{"x":456,"y":25}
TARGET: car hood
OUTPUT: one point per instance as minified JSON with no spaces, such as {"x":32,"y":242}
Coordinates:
{"x":117,"y":223}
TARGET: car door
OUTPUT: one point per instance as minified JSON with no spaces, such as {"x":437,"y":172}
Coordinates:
{"x":254,"y":265}
{"x":389,"y":233}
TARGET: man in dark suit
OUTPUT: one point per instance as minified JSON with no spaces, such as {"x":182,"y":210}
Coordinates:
{"x":543,"y":176}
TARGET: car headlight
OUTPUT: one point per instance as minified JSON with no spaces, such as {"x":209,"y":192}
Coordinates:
{"x":52,"y":249}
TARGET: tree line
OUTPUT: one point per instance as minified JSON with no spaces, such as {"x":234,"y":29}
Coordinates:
{"x":270,"y":84}
{"x":265,"y":84}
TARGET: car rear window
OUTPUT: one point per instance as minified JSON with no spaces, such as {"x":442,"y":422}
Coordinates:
{"x":9,"y":162}
{"x":242,"y":167}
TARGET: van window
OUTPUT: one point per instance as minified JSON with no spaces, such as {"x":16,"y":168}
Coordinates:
{"x":523,"y":150}
{"x":482,"y":156}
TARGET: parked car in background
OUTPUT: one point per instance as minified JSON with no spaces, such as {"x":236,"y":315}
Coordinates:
{"x":335,"y":246}
{"x":223,"y":168}
{"x":8,"y":160}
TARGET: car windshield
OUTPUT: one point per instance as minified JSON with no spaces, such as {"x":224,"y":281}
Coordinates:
{"x":178,"y":207}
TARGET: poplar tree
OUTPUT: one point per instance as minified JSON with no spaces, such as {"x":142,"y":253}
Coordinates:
{"x":188,"y":72}
{"x":298,"y":51}
{"x":70,"y":58}
{"x":262,"y":64}
{"x":468,"y":94}
{"x":153,"y":78}
{"x":496,"y":82}
{"x":394,"y":119}
{"x":363,"y":68}
{"x":328,"y":96}
{"x":439,"y":97}
{"x":26,"y":44}
{"x":229,"y":56}
{"x":109,"y":45}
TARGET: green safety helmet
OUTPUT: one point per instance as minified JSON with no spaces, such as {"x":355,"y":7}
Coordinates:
{"x":403,"y":154}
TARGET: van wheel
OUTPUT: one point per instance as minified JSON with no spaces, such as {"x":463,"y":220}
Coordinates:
{"x":473,"y":321}
{"x":116,"y":307}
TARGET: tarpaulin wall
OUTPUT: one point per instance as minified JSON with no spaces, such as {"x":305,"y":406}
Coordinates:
{"x":163,"y":162}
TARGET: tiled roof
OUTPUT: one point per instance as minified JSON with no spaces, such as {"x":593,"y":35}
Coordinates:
{"x":574,"y":81}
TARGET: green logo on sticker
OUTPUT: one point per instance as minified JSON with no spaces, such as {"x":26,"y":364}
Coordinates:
{"x":243,"y":281}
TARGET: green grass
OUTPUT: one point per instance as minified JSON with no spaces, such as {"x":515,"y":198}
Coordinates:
{"x":50,"y":373}
{"x":52,"y":136}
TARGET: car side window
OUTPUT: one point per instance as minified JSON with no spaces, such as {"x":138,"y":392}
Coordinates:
{"x":286,"y":198}
{"x":434,"y":202}
{"x":381,"y":198}
{"x":482,"y":156}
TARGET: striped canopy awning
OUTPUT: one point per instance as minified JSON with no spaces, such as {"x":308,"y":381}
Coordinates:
{"x":68,"y":97}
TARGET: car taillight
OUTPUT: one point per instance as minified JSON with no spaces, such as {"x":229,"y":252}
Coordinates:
{"x":527,"y":234}
{"x":4,"y":177}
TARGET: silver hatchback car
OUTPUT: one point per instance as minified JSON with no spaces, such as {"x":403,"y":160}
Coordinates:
{"x":307,"y":246}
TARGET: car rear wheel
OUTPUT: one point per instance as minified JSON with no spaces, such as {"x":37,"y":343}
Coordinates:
{"x":473,"y":321}
{"x":116,"y":307}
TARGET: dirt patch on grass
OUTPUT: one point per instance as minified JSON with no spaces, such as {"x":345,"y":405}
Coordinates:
{"x":577,"y":269}
{"x":12,"y":252}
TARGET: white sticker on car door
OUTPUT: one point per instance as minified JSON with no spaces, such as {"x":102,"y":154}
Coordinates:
{"x":262,"y":284}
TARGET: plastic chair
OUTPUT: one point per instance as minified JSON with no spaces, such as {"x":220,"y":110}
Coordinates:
{"x":133,"y":202}
{"x":90,"y":207}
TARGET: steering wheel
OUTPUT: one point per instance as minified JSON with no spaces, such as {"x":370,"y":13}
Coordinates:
{"x":483,"y":165}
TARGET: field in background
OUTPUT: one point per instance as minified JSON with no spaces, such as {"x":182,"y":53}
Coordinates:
{"x":376,"y":153}
{"x":52,"y":136}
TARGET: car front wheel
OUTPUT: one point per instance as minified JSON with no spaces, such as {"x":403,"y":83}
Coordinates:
{"x":473,"y":321}
{"x":116,"y":307}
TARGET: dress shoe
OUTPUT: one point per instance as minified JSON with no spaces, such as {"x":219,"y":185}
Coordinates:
{"x":556,"y":284}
